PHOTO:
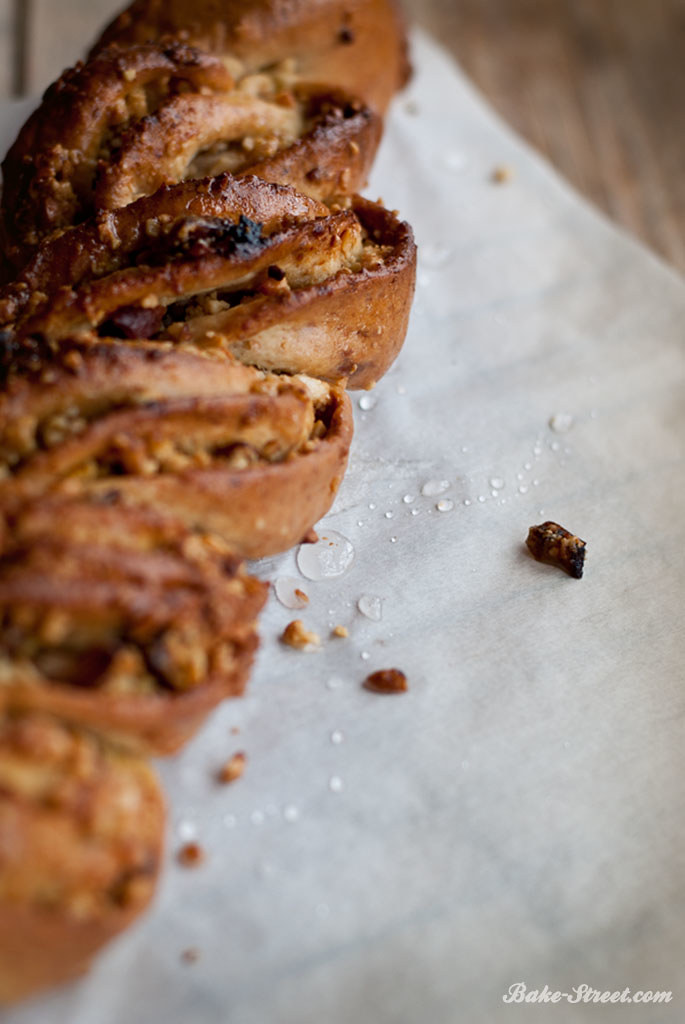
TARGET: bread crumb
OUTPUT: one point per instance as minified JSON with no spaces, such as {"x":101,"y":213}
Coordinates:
{"x":387,"y":680}
{"x":233,"y":769}
{"x":191,"y":855}
{"x":190,"y":956}
{"x":296,"y":635}
{"x":502,"y":174}
{"x":301,"y":596}
{"x":554,"y":545}
{"x":341,"y":631}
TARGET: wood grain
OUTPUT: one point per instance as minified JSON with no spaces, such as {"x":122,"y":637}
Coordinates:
{"x":597,"y":85}
{"x":7,"y":49}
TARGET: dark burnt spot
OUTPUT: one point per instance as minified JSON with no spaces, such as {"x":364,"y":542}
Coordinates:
{"x":276,"y":274}
{"x":346,"y":36}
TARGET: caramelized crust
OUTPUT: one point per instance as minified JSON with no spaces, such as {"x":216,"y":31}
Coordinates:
{"x":81,"y":834}
{"x":118,"y":620}
{"x":317,"y":291}
{"x":118,"y":128}
{"x":358,"y":45}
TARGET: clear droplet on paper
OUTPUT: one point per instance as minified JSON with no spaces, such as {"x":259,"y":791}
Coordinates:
{"x":187,"y":831}
{"x":497,"y":483}
{"x":371,"y":506}
{"x":336,"y":784}
{"x":389,"y":515}
{"x":334,"y":683}
{"x":432,"y":488}
{"x":467,"y":501}
{"x":291,"y":814}
{"x":414,"y":511}
{"x":365,"y":655}
{"x":330,"y":557}
{"x":371,"y":607}
{"x":337,"y":737}
{"x":257,"y":817}
{"x":367,"y":401}
{"x":561,"y":422}
{"x":409,"y":498}
{"x":454,"y":161}
{"x":445,"y":505}
{"x":290,"y":593}
{"x":523,"y":489}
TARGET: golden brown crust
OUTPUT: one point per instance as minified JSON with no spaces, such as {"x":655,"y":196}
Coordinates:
{"x":256,"y":457}
{"x":118,"y":128}
{"x":81,"y":835}
{"x":321,"y":292}
{"x":358,"y":45}
{"x":122,"y":622}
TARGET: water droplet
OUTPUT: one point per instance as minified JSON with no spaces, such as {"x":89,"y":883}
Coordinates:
{"x":445,"y":505}
{"x":187,"y":831}
{"x":365,"y":655}
{"x":372,"y":506}
{"x":257,"y":817}
{"x":334,"y":683}
{"x":336,"y":784}
{"x":371,"y":607}
{"x":393,"y":540}
{"x":337,"y":737}
{"x":401,"y":390}
{"x":329,"y":558}
{"x":561,"y":422}
{"x":291,"y":814}
{"x":285,"y":589}
{"x":523,"y":489}
{"x":360,"y":522}
{"x":481,"y":498}
{"x":367,"y":402}
{"x":389,"y":515}
{"x":432,"y":488}
{"x":519,"y":476}
{"x":467,"y":501}
{"x":497,"y":483}
{"x":536,"y":483}
{"x":409,"y":498}
{"x":464,"y":449}
{"x":527,"y":465}
{"x":414,"y":511}
{"x":555,"y":446}
{"x":435,"y":254}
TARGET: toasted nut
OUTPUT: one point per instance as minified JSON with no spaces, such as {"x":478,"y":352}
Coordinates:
{"x":233,"y":769}
{"x":554,"y":545}
{"x":295,"y":635}
{"x":387,"y":680}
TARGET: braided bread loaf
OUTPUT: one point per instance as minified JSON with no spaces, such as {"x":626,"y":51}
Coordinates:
{"x":193,"y":284}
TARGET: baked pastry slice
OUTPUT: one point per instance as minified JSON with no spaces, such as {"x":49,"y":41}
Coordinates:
{"x":284,"y":282}
{"x":252,"y":456}
{"x":358,"y":45}
{"x":123,"y":622}
{"x":131,"y":120}
{"x":81,"y":836}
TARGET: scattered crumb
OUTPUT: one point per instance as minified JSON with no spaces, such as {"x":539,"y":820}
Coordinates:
{"x":296,"y":635}
{"x":502,"y":174}
{"x":554,"y":545}
{"x":341,"y":631}
{"x":191,"y":855}
{"x":233,"y":769}
{"x":190,"y":956}
{"x":387,"y":680}
{"x":235,"y":731}
{"x":301,"y":596}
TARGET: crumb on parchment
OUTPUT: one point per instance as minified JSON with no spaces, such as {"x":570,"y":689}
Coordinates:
{"x":298,"y":636}
{"x":387,"y":680}
{"x":551,"y":543}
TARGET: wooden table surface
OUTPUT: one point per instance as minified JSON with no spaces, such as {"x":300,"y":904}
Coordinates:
{"x":596,"y":85}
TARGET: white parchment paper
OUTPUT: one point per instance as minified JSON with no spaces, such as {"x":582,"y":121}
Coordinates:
{"x":517,"y":816}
